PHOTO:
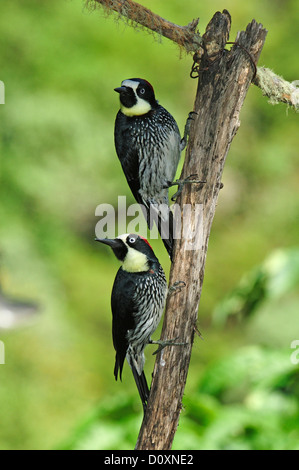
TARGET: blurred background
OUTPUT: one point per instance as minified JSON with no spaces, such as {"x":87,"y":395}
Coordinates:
{"x":60,"y":62}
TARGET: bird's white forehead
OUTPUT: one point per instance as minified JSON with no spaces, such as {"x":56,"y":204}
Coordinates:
{"x":130,"y":84}
{"x":123,"y":237}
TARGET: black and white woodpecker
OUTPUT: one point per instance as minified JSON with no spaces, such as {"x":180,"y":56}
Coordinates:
{"x":148,"y":145}
{"x":137,"y":303}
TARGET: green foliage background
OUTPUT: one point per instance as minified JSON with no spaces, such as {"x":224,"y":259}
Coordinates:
{"x":60,"y":63}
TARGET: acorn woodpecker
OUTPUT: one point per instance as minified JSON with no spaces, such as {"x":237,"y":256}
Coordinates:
{"x":137,"y":303}
{"x":148,"y":145}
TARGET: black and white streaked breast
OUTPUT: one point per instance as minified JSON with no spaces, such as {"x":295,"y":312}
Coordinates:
{"x":156,"y":139}
{"x":150,"y":297}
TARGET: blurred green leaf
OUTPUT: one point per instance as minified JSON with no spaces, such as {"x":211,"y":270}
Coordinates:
{"x":112,"y":425}
{"x":248,"y":400}
{"x":278,"y":275}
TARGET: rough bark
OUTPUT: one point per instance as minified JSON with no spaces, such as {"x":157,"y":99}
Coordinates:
{"x":223,"y":82}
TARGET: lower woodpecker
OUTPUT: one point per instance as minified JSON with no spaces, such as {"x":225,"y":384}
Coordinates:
{"x":137,"y":303}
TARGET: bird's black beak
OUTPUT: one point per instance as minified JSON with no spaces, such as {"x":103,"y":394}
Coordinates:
{"x":112,"y":242}
{"x":121,"y":89}
{"x":118,"y":246}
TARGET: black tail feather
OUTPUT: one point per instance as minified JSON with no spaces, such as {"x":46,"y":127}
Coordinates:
{"x":142,"y":386}
{"x":119,"y":363}
{"x":165,"y":228}
{"x":165,"y":224}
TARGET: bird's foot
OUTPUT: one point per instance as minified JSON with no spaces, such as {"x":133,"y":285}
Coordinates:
{"x":167,"y":342}
{"x":184,"y":140}
{"x":176,"y":287}
{"x":181,"y":183}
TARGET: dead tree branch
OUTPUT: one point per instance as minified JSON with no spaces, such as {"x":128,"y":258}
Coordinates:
{"x":276,"y":88}
{"x":222,"y":87}
{"x":189,"y":38}
{"x":184,"y":36}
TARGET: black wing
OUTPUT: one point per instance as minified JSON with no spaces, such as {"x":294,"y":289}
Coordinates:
{"x":123,"y":309}
{"x":127,"y":154}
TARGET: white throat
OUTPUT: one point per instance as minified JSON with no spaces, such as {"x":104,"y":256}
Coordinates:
{"x":135,"y":262}
{"x":140,"y":108}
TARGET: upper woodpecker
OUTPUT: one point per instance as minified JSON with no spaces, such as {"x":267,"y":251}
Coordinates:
{"x":148,"y":145}
{"x":137,"y":303}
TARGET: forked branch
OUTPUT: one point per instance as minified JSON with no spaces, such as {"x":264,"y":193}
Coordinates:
{"x":188,"y":37}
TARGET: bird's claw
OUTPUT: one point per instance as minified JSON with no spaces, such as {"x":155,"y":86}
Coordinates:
{"x":163,"y":343}
{"x":181,"y":183}
{"x":184,"y":140}
{"x":176,"y":287}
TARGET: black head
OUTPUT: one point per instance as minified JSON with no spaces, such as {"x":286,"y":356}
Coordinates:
{"x":132,"y":250}
{"x":137,"y":97}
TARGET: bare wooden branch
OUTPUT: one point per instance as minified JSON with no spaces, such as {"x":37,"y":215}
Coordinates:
{"x":222,"y":88}
{"x":188,"y":37}
{"x":185,"y":36}
{"x":276,"y":88}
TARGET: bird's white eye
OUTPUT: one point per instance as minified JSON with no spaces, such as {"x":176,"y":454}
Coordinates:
{"x":132,"y":239}
{"x":142,"y":91}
